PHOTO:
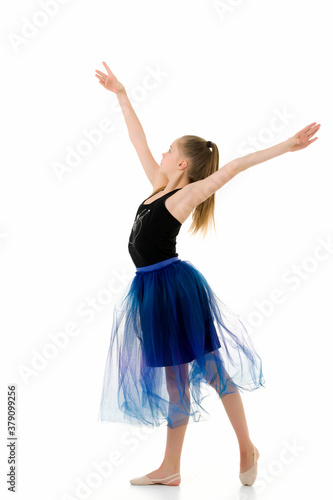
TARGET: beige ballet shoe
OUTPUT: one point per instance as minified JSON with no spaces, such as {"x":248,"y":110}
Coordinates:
{"x":248,"y":477}
{"x":144,"y":480}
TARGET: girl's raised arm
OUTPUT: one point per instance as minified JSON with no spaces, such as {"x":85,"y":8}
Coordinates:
{"x":134,"y":127}
{"x":199,"y":191}
{"x":295,"y":143}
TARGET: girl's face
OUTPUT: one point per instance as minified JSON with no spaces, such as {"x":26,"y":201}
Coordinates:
{"x":170,"y":159}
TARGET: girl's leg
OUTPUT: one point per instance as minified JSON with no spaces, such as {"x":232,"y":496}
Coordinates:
{"x":174,"y":446}
{"x":233,"y":405}
{"x":234,"y":408}
{"x":177,"y":382}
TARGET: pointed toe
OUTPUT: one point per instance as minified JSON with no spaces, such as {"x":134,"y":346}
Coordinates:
{"x":248,"y":478}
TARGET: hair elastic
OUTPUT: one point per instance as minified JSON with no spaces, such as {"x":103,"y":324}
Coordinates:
{"x":209,"y":144}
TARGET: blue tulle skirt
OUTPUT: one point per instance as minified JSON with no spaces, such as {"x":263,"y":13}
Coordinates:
{"x":172,"y":340}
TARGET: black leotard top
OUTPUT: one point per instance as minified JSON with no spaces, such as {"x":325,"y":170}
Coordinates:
{"x":154,"y":232}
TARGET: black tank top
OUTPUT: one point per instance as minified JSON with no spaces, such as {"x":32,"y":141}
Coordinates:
{"x":154,"y":232}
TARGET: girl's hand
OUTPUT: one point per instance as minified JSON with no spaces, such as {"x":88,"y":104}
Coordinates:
{"x":301,"y":139}
{"x":109,"y":81}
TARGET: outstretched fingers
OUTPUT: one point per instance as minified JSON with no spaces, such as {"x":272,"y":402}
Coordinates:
{"x":107,"y":68}
{"x":100,"y":72}
{"x":312,"y":132}
{"x":101,"y":80}
{"x":308,"y":127}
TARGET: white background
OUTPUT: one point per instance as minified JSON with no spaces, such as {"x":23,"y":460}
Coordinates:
{"x":227,"y":70}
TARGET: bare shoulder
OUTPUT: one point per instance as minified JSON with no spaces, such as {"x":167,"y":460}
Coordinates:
{"x":203,"y":189}
{"x":183,"y":202}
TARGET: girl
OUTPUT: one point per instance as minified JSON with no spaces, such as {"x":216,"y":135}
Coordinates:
{"x":172,"y":337}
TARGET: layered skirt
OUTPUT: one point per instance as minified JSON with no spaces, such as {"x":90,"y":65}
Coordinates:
{"x":172,"y":340}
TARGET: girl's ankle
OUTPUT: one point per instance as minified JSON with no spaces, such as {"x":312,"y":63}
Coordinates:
{"x":171,"y":466}
{"x":246,"y":449}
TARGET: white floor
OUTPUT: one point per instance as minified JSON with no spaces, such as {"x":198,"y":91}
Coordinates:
{"x":293,"y":460}
{"x":92,"y":460}
{"x":293,"y":463}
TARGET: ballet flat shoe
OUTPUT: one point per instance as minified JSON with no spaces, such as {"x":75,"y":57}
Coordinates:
{"x":145,"y":480}
{"x":248,"y":477}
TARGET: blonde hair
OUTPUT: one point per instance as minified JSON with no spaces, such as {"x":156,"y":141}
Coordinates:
{"x":202,"y":162}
